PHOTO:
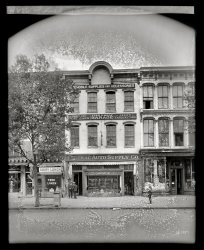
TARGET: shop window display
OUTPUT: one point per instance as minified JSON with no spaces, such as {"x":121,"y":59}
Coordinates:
{"x":189,"y":175}
{"x":155,"y":174}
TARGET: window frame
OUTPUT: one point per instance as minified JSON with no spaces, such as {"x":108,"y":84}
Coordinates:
{"x":178,"y":132}
{"x":131,"y":124}
{"x":92,"y":102}
{"x":177,"y":97}
{"x":163,"y":133}
{"x":148,"y":98}
{"x":108,"y":92}
{"x":128,"y":101}
{"x":163,"y":97}
{"x":107,"y":125}
{"x":74,"y":103}
{"x":148,"y":133}
{"x":75,"y":126}
{"x":88,"y":133}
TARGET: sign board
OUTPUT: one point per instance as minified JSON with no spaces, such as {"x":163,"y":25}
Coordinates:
{"x":103,"y":157}
{"x":50,"y":169}
{"x":126,"y":116}
{"x":105,"y":86}
{"x":53,"y":181}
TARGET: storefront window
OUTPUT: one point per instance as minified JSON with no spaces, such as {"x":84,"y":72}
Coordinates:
{"x":155,"y":174}
{"x":52,"y":182}
{"x":28,"y":184}
{"x":103,"y":184}
{"x":190,"y":175}
{"x":14,"y":182}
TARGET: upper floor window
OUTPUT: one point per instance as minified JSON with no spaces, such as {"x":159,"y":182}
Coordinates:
{"x":75,"y":136}
{"x":75,"y":104}
{"x":178,"y":95}
{"x":191,"y":137}
{"x":92,"y":102}
{"x":163,"y":132}
{"x":129,"y":135}
{"x":111,"y":135}
{"x":129,"y":101}
{"x":179,"y":132}
{"x":162,"y":96}
{"x":92,"y":135}
{"x":148,"y":97}
{"x":110,"y":101}
{"x":148,"y":132}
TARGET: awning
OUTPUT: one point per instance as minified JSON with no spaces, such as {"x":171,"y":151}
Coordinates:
{"x":101,"y":163}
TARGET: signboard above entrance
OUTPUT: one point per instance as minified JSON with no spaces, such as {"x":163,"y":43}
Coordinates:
{"x":50,"y":169}
{"x":105,"y":86}
{"x":126,"y":116}
{"x":108,"y":157}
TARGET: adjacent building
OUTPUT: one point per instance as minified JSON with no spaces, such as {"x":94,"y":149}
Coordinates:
{"x":129,"y":130}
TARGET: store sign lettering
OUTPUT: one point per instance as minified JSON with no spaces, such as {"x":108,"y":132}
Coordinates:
{"x":127,"y":116}
{"x":105,"y":86}
{"x":124,"y":157}
{"x":49,"y":169}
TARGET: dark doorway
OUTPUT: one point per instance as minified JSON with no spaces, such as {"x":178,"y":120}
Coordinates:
{"x":78,"y":181}
{"x":128,"y":183}
{"x":176,"y":181}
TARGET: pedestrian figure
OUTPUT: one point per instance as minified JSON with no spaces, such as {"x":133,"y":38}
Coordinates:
{"x":150,"y":194}
{"x":70,"y":189}
{"x":75,"y":189}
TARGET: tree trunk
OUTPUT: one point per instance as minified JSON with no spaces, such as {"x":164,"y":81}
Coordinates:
{"x":35,"y":182}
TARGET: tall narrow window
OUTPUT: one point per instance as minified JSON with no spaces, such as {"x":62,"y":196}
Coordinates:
{"x":129,"y":135}
{"x":75,"y":104}
{"x":111,"y":135}
{"x":191,"y":137}
{"x":163,"y":132}
{"x":92,"y":102}
{"x":179,"y":132}
{"x":110,"y":101}
{"x":148,"y":132}
{"x":148,"y":97}
{"x":129,"y":101}
{"x":162,"y":96}
{"x":92,"y":135}
{"x":75,"y":136}
{"x":178,"y":96}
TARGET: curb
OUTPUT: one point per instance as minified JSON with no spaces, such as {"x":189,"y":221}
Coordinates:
{"x":113,"y":208}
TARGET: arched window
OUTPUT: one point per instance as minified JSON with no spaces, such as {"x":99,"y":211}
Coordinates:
{"x":178,"y":131}
{"x":162,"y":96}
{"x":148,"y":97}
{"x":148,"y":132}
{"x":92,"y":102}
{"x":178,"y":95}
{"x":111,"y":135}
{"x":110,"y":101}
{"x":92,"y":136}
{"x":163,"y":132}
{"x":129,"y":135}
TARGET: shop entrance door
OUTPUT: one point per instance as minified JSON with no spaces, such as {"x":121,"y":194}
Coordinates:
{"x":129,"y":183}
{"x":176,"y":181}
{"x":78,"y":181}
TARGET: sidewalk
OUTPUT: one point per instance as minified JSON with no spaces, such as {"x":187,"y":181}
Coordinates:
{"x":124,"y":202}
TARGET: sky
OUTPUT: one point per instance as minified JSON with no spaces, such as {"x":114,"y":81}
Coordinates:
{"x":75,"y":41}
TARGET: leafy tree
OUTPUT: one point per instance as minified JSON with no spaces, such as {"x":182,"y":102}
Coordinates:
{"x":38,"y":103}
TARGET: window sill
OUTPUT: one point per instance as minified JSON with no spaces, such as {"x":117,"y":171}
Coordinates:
{"x":129,"y":146}
{"x":92,"y":146}
{"x":92,"y":112}
{"x":126,"y":111}
{"x":111,"y":146}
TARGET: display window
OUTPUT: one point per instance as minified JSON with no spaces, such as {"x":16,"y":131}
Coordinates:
{"x":14,"y":182}
{"x":52,"y":182}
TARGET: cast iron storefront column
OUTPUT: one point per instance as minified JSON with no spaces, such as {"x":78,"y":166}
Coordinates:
{"x":84,"y":181}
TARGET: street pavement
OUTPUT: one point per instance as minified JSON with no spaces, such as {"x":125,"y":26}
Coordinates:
{"x":124,"y":202}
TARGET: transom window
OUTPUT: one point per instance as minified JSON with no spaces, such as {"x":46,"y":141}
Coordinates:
{"x":92,"y":102}
{"x":129,"y":101}
{"x":148,"y":97}
{"x":162,"y":96}
{"x":129,"y":135}
{"x":179,"y":132}
{"x":163,"y":132}
{"x":148,"y":132}
{"x":75,"y":136}
{"x":110,"y":101}
{"x":178,"y":95}
{"x":92,"y":135}
{"x":111,"y":135}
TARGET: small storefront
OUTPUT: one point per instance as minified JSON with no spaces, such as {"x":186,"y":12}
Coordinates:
{"x":111,"y":175}
{"x":169,"y":173}
{"x":50,"y":178}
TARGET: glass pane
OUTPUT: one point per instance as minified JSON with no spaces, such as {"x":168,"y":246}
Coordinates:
{"x":145,"y":91}
{"x":192,"y":139}
{"x":175,"y":90}
{"x":165,"y":91}
{"x":173,"y":178}
{"x":145,"y":138}
{"x":160,"y":91}
{"x":151,"y":140}
{"x":110,"y":97}
{"x":151,"y":126}
{"x":180,"y":90}
{"x":160,"y":103}
{"x":178,"y":139}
